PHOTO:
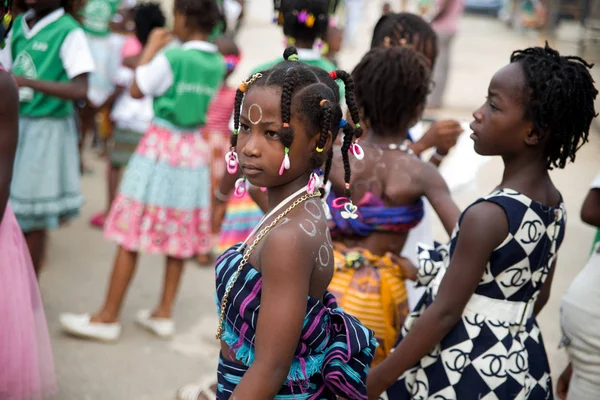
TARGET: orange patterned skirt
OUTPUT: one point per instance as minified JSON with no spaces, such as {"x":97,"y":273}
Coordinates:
{"x":371,"y":288}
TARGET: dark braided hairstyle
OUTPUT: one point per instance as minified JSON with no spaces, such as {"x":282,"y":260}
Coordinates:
{"x":201,"y":15}
{"x":559,"y":100}
{"x":392,"y":84}
{"x":290,"y":12}
{"x":313,"y":95}
{"x":406,"y":29}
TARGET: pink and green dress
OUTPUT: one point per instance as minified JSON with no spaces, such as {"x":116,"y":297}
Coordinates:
{"x":163,"y":205}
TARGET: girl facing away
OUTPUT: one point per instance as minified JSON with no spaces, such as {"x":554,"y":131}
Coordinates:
{"x":474,"y":333}
{"x":164,"y":198}
{"x":282,"y":333}
{"x":131,"y":117}
{"x":305,"y":21}
{"x":388,"y":184}
{"x":51,"y":62}
{"x":26,"y":366}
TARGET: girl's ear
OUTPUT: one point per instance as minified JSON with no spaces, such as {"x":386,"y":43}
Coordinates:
{"x":533,"y":138}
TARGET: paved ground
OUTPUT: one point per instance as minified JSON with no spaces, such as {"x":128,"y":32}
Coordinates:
{"x":141,"y":367}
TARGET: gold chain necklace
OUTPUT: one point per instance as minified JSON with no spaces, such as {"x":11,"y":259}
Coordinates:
{"x":247,"y":253}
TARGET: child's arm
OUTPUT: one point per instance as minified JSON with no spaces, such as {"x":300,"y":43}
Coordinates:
{"x":9,"y":133}
{"x":438,"y":194}
{"x":286,"y":267}
{"x":483,"y":227}
{"x":76,"y":89}
{"x":77,"y":60}
{"x":442,"y":135}
{"x":590,"y":211}
{"x":153,"y":76}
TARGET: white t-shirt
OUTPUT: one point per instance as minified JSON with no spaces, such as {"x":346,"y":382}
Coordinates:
{"x":129,"y":113}
{"x":156,"y":77}
{"x":74,"y":52}
{"x":584,"y":292}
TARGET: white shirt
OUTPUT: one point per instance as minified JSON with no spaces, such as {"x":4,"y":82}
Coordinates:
{"x":75,"y":53}
{"x":584,"y":292}
{"x":156,"y":77}
{"x":129,"y":113}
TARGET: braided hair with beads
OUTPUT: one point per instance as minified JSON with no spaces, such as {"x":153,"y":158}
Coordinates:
{"x":559,"y":100}
{"x":406,"y":29}
{"x":314,"y":94}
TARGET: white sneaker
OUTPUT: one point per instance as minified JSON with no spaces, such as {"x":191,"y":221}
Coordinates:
{"x":162,"y":327}
{"x":80,"y":325}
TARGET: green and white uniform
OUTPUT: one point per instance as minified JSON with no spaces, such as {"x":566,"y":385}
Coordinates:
{"x":163,"y":205}
{"x":45,"y":186}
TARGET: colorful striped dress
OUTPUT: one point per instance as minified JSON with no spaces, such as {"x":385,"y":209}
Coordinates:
{"x":332,"y":358}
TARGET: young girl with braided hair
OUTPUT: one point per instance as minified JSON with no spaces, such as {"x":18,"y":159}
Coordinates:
{"x":26,"y":366}
{"x":406,"y":29}
{"x":282,"y":333}
{"x":305,"y":21}
{"x":387,"y":184}
{"x":474,"y":333}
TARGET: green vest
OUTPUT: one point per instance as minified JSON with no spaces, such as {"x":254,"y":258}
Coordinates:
{"x":39,"y":58}
{"x":321,"y":62}
{"x":197,"y":75}
{"x":97,"y":14}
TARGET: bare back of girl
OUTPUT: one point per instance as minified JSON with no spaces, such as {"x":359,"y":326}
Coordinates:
{"x":391,"y":90}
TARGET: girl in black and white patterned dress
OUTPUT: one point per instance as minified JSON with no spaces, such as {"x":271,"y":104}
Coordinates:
{"x":473,"y":334}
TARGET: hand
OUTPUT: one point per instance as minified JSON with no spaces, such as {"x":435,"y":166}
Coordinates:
{"x":562,"y":387}
{"x":159,"y":38}
{"x":443,"y":135}
{"x":409,"y":271}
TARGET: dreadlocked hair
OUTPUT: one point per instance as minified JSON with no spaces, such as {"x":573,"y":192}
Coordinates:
{"x":392,"y":85}
{"x":406,"y":29}
{"x":297,"y":22}
{"x":559,"y":100}
{"x":201,"y":15}
{"x":313,"y":96}
{"x":147,"y":17}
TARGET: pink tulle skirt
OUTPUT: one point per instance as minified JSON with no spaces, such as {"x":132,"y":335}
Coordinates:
{"x":26,"y":365}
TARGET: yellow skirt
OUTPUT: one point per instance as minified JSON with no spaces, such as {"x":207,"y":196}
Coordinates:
{"x":371,"y":288}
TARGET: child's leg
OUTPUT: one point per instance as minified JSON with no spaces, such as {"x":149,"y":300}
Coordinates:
{"x":120,"y":279}
{"x":87,"y":116}
{"x":173,"y":272}
{"x":114,"y":174}
{"x":36,"y":242}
